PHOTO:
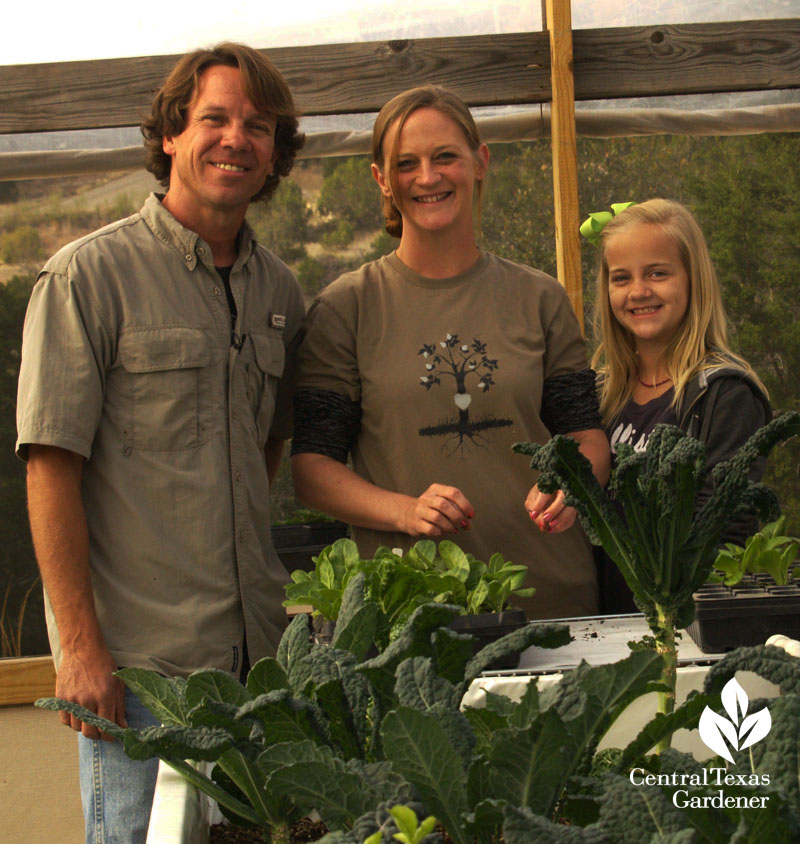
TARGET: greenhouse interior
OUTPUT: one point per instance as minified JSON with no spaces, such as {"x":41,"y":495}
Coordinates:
{"x":638,"y":677}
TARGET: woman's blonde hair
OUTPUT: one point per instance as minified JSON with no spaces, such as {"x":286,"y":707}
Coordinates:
{"x":701,"y":341}
{"x":397,"y":110}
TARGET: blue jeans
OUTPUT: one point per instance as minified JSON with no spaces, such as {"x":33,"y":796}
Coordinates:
{"x":117,"y":792}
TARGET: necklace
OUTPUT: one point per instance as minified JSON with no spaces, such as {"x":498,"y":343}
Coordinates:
{"x":653,"y":386}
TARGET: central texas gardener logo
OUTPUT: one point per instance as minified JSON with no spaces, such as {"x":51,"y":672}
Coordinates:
{"x":741,"y":731}
{"x":470,"y":368}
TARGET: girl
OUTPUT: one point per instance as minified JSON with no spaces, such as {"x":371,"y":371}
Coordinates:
{"x":425,"y":366}
{"x":663,"y":354}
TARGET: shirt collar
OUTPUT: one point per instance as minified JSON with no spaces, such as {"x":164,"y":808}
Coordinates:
{"x":189,"y":244}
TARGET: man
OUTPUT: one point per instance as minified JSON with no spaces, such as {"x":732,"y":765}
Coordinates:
{"x":152,"y":418}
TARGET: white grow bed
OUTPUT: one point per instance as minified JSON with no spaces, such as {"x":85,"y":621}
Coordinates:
{"x":182,"y":815}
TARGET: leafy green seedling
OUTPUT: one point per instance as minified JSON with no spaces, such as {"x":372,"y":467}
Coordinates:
{"x":768,"y":551}
{"x":399,"y":583}
{"x":411,"y":831}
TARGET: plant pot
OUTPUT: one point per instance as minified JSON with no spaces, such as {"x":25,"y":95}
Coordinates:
{"x":298,"y":544}
{"x":489,"y":626}
{"x":323,"y":630}
{"x":748,"y":613}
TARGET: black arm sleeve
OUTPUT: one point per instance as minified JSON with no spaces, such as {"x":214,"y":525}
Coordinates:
{"x":325,"y":423}
{"x":570,"y":403}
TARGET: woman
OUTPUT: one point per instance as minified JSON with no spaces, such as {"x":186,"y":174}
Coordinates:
{"x":663,"y":354}
{"x":428,"y":364}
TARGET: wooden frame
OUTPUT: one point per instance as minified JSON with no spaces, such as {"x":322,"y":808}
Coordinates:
{"x":535,"y":67}
{"x":26,"y":679}
{"x":483,"y":70}
{"x":565,"y":153}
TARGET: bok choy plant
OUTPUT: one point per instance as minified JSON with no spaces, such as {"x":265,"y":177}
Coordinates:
{"x":768,"y":551}
{"x":399,"y":583}
{"x":665,"y":544}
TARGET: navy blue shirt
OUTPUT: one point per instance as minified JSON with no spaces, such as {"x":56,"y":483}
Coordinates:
{"x":636,"y":422}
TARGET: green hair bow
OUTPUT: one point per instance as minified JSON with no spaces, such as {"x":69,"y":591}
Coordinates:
{"x":593,"y":225}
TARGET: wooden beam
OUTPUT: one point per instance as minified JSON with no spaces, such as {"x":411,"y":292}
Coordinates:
{"x":565,"y":154}
{"x":27,"y":679}
{"x":697,"y":58}
{"x":483,"y":70}
{"x":327,"y":79}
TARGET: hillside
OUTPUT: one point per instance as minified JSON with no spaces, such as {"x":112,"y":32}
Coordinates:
{"x":62,"y":210}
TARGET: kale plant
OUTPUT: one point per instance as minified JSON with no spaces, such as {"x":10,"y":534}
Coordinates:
{"x":665,"y":544}
{"x":320,"y":728}
{"x":535,"y":774}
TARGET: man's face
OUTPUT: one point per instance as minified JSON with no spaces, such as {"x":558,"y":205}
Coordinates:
{"x":225,"y":152}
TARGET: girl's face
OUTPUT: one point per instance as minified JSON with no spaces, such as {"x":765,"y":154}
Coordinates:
{"x":648,"y":286}
{"x":436,"y":173}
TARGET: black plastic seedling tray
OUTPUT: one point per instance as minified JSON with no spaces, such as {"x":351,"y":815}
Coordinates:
{"x":298,"y":544}
{"x":487,"y":627}
{"x":729,"y":617}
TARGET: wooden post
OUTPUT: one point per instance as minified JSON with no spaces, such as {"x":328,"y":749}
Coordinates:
{"x":565,"y":154}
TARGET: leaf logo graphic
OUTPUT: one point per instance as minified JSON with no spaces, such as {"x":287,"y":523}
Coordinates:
{"x":741,"y":731}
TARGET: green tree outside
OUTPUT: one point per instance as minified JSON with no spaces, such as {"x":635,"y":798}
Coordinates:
{"x":282,"y":224}
{"x":22,"y":245}
{"x":18,"y":571}
{"x":349,"y":192}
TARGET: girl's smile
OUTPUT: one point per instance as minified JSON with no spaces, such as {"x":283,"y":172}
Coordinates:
{"x":648,"y":286}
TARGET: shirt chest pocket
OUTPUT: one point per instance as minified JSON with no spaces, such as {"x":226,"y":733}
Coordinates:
{"x":270,"y":357}
{"x":162,"y":392}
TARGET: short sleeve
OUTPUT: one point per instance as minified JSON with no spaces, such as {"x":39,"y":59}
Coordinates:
{"x":328,"y":357}
{"x":65,"y":353}
{"x":565,"y":349}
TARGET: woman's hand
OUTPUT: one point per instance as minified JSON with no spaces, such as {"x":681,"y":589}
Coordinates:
{"x":439,"y":510}
{"x":327,"y":485}
{"x":549,"y":512}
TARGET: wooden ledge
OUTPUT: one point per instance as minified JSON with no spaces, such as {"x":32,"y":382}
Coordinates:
{"x":26,"y":679}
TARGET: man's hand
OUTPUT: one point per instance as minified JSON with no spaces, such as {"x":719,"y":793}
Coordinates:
{"x":61,"y":540}
{"x":90,"y":682}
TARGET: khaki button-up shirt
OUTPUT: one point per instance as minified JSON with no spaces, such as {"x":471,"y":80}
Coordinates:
{"x":129,"y":360}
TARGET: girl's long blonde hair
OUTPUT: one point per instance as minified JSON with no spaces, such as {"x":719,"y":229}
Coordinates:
{"x":701,"y":341}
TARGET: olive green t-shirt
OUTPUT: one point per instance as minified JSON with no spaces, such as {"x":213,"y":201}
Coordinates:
{"x":449,"y":374}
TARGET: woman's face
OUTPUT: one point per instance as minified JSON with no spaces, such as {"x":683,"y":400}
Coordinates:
{"x":648,"y":286}
{"x":436,"y":172}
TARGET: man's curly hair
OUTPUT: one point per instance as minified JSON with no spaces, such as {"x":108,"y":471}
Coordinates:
{"x":264,"y":87}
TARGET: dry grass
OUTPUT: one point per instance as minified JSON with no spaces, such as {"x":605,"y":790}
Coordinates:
{"x":10,"y":627}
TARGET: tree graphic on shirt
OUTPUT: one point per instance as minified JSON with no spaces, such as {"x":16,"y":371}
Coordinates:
{"x":470,"y":368}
